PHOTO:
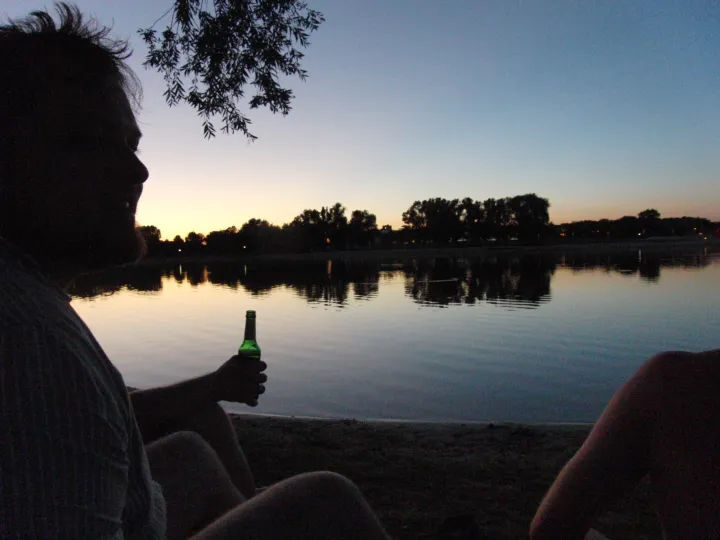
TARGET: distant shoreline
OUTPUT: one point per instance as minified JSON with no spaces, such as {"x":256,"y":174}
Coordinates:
{"x":658,"y":244}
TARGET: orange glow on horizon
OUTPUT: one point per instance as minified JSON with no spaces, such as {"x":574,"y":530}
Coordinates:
{"x":206,"y":216}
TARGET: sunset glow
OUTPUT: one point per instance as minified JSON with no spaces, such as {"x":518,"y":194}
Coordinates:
{"x":603,"y":108}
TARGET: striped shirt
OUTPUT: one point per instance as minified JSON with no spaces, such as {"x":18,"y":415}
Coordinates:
{"x":72,"y":461}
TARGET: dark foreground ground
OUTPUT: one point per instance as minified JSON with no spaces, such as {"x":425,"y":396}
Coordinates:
{"x":429,"y":481}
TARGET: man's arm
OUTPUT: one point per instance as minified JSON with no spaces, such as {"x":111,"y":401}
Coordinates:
{"x":166,"y":403}
{"x":238,"y":380}
{"x":63,"y":441}
{"x":612,"y":460}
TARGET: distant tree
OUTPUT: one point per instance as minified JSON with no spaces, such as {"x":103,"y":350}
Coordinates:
{"x":473,"y":219}
{"x":649,"y":214}
{"x":651,"y":223}
{"x":406,"y":235}
{"x":259,"y":236}
{"x":627,"y":227}
{"x":222,"y":46}
{"x":223,"y":242}
{"x":362,"y":228}
{"x":436,"y":220}
{"x":152,"y":237}
{"x":387,"y":236}
{"x":249,"y":234}
{"x":631,"y":227}
{"x":194,"y":242}
{"x":498,"y":218}
{"x":151,"y":233}
{"x":336,"y":226}
{"x":416,"y":220}
{"x":308,"y":230}
{"x":604,"y":228}
{"x":321,"y":229}
{"x":530,"y":216}
{"x":178,"y":243}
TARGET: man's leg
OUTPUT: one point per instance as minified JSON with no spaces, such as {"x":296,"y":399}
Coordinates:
{"x":214,"y":425}
{"x":309,"y":506}
{"x":195,"y":484}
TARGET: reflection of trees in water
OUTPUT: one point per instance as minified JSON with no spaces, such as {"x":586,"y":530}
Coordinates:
{"x":365,"y":278}
{"x":646,"y":264}
{"x":524,"y":280}
{"x":141,"y":278}
{"x":327,"y":282}
{"x":196,"y":274}
{"x":226,"y":274}
{"x":178,"y":274}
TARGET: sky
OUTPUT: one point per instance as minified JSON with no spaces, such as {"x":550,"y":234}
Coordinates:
{"x":605,"y":108}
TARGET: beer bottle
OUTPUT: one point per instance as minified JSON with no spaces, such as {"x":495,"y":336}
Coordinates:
{"x":250,"y":348}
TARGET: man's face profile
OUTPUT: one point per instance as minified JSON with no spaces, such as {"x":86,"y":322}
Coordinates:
{"x":84,"y":178}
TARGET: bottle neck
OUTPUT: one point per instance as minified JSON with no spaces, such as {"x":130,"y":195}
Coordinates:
{"x":250,"y":329}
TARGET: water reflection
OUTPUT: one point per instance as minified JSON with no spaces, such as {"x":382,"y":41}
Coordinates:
{"x":643,"y":263}
{"x":145,"y":279}
{"x":523,"y":280}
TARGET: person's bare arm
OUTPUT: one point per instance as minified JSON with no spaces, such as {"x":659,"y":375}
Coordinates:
{"x":156,"y":405}
{"x":237,"y":380}
{"x":612,"y":460}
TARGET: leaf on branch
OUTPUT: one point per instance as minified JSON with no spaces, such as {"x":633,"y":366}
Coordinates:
{"x":221,"y":46}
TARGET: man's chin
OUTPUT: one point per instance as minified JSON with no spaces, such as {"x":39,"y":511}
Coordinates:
{"x":128,"y":248}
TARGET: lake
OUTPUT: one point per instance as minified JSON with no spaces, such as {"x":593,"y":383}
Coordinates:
{"x":507,"y":337}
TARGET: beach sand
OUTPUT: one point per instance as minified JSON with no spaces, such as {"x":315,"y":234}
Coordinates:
{"x":427,"y":481}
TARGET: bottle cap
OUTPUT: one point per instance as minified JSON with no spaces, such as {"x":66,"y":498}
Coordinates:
{"x":250,"y":314}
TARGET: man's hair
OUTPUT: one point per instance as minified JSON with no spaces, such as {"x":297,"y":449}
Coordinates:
{"x":38,"y":55}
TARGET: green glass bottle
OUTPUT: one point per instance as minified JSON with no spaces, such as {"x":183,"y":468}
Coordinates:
{"x":250,"y":348}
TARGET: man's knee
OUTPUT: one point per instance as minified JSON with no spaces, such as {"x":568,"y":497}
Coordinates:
{"x":208,"y":417}
{"x":326,"y":484}
{"x":188,"y":446}
{"x":188,"y":440}
{"x":188,"y":454}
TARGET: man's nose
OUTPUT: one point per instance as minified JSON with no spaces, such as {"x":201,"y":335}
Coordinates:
{"x":134,"y":172}
{"x":142,"y":174}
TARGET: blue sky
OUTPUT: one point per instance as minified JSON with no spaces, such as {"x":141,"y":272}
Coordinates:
{"x":605,"y":108}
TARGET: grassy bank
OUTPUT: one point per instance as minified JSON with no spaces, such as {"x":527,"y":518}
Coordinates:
{"x":427,"y":480}
{"x":658,"y":245}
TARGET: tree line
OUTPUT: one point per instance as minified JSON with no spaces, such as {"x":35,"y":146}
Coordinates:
{"x":647,"y":223}
{"x":434,"y":222}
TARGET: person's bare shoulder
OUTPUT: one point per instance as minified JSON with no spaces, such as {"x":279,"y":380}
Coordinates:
{"x":685,"y":371}
{"x":685,"y":390}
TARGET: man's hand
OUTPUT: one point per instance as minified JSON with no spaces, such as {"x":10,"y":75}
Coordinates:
{"x":240,"y":380}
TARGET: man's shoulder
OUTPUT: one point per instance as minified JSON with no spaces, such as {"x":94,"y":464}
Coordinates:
{"x":25,"y":298}
{"x":36,"y":348}
{"x":35,"y":316}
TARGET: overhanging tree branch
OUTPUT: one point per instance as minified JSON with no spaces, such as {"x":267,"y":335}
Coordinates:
{"x":210,"y":54}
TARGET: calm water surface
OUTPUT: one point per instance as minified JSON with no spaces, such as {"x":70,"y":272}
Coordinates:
{"x":531,"y":338}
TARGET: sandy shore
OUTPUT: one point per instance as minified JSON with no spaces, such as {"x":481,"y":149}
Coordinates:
{"x":427,"y":481}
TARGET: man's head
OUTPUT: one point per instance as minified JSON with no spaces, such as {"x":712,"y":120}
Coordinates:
{"x":70,"y":178}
